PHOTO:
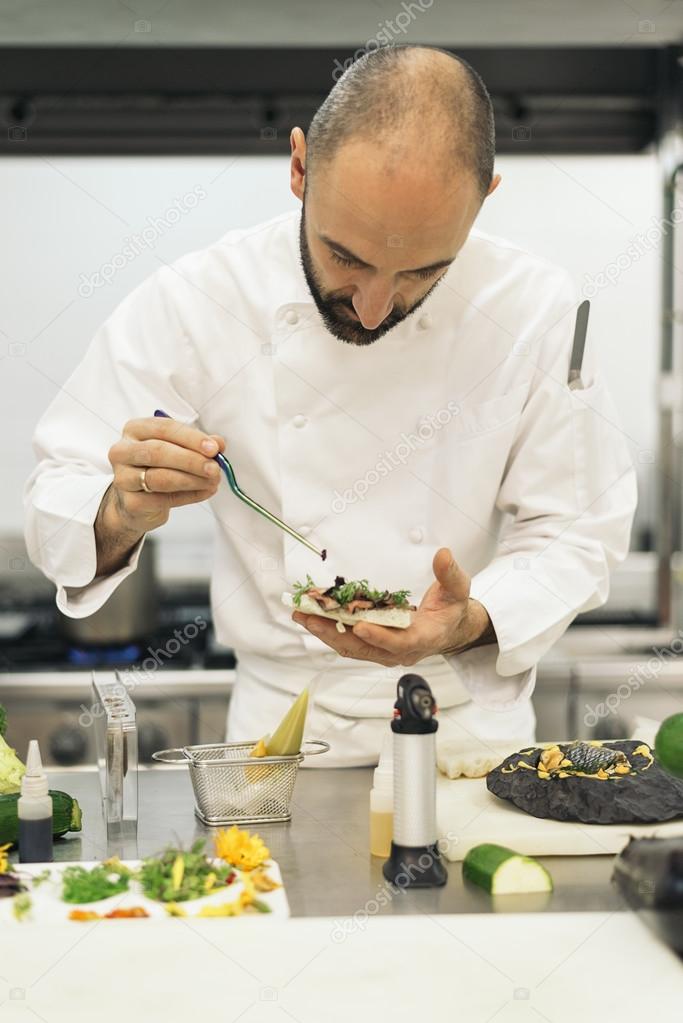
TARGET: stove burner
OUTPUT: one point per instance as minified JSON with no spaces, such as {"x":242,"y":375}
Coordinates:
{"x":95,"y":657}
{"x":44,"y":647}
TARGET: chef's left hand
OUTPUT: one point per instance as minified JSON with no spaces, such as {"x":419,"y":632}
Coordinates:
{"x":447,"y":621}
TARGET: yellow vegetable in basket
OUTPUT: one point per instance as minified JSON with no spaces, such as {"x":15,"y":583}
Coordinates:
{"x":285,"y":742}
{"x":260,"y":749}
{"x":288,"y":736}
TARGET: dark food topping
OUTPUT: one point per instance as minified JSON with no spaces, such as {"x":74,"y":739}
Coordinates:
{"x":10,"y":885}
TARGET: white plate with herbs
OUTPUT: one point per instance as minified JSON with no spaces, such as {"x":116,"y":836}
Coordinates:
{"x":187,"y":883}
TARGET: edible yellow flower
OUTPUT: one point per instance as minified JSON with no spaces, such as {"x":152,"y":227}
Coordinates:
{"x":4,"y":861}
{"x":178,"y":871}
{"x":241,"y":849}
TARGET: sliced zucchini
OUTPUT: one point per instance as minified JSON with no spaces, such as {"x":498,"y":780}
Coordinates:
{"x":502,"y":871}
{"x":66,"y":815}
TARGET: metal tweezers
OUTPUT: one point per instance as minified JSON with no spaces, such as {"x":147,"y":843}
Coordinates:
{"x":232,"y":482}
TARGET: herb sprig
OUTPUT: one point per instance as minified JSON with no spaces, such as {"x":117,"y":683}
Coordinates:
{"x":301,"y":588}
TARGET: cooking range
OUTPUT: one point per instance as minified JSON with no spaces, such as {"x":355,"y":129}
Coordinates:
{"x":179,"y":677}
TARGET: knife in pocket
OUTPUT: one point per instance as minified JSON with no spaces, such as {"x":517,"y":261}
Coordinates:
{"x":578,"y":345}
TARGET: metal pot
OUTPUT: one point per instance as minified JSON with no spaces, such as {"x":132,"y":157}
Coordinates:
{"x":130,"y":613}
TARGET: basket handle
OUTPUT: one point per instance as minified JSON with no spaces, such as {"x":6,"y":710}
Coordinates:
{"x":165,"y":756}
{"x":324,"y":747}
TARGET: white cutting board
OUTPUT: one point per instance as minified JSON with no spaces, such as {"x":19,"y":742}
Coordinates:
{"x":467,"y":814}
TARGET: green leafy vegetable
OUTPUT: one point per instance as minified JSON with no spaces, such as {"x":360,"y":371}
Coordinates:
{"x":357,"y":589}
{"x":178,"y":874}
{"x":40,"y":878}
{"x":82,"y":885}
{"x":11,"y":769}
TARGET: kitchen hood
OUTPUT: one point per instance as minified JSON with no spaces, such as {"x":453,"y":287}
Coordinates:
{"x":202,"y":100}
{"x":163,"y":76}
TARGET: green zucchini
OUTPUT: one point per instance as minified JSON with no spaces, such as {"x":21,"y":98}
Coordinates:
{"x":66,"y":815}
{"x":502,"y":871}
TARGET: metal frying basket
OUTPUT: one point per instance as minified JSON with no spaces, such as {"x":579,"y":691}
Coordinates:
{"x":230,"y":787}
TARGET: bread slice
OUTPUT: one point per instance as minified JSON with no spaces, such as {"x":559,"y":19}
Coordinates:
{"x":394,"y":617}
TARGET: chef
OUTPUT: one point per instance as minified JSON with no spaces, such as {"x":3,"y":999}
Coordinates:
{"x":385,"y":379}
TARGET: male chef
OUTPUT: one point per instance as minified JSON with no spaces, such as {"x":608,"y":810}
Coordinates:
{"x":388,"y":381}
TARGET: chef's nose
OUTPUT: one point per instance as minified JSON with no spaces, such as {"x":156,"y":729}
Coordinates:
{"x":373,"y":304}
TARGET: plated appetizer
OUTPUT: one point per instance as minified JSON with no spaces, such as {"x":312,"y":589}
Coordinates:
{"x":351,"y":602}
{"x":235,"y":878}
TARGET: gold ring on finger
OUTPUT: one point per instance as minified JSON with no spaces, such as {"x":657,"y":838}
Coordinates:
{"x":143,"y":482}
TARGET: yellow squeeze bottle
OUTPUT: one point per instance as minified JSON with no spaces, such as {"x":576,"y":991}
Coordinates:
{"x":382,"y":801}
{"x":287,"y":738}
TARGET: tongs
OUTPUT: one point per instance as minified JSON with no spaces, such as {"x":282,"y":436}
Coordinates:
{"x":230,"y":476}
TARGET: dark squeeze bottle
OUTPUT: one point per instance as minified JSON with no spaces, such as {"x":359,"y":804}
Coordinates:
{"x":34,"y":809}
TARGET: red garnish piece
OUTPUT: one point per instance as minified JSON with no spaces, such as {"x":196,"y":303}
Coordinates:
{"x":130,"y":913}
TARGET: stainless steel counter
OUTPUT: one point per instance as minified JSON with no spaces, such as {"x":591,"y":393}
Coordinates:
{"x":323,"y":852}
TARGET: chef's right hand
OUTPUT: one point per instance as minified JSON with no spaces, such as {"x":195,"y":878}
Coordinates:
{"x":173,"y":461}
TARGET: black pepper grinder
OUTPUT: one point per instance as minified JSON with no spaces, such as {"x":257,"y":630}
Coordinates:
{"x":415,"y":861}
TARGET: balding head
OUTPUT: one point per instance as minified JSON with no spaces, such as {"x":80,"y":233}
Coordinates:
{"x":392,"y":177}
{"x":398,"y":97}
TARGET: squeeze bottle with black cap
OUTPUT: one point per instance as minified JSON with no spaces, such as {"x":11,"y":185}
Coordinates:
{"x":414,"y":861}
{"x":34,"y":808}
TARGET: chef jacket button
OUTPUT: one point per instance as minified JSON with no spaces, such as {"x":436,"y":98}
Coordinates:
{"x":299,"y":421}
{"x":416,"y":535}
{"x":304,"y":530}
{"x":425,"y":322}
{"x":292,"y":316}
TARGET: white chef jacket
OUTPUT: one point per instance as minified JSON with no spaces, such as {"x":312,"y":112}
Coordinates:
{"x":455,"y":429}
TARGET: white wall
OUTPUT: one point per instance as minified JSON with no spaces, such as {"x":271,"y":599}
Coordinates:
{"x":66,"y":217}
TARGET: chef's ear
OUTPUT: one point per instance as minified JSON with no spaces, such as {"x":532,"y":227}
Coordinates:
{"x":297,"y":171}
{"x":495,"y":181}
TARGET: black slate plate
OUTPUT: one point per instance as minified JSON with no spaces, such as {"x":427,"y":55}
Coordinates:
{"x":647,"y":796}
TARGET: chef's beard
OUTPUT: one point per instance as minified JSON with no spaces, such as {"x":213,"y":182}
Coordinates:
{"x":337,"y":311}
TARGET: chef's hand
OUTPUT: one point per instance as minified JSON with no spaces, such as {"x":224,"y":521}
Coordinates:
{"x":447,"y":621}
{"x":173,"y":461}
